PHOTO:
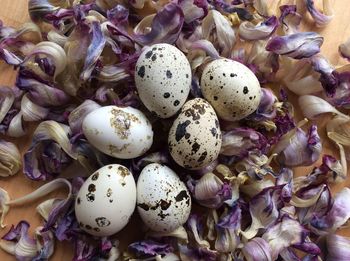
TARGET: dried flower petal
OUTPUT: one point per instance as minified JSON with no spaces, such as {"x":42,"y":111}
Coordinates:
{"x":249,"y":31}
{"x":10,"y":159}
{"x":4,"y":208}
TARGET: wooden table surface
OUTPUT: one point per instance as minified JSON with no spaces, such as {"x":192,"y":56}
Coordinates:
{"x":14,"y":13}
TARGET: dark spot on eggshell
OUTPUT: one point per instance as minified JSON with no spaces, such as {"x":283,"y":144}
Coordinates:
{"x":92,"y":188}
{"x":110,"y":167}
{"x":211,"y":77}
{"x":154,"y":48}
{"x":78,"y":200}
{"x":94,"y":177}
{"x":224,"y":74}
{"x":88,"y":227}
{"x":102,"y":222}
{"x":176,"y":103}
{"x":203,"y":156}
{"x":164,"y":205}
{"x":181,"y":196}
{"x":161,"y":55}
{"x":97,"y":229}
{"x":181,"y":130}
{"x":250,"y":98}
{"x":141,"y":71}
{"x":148,"y":54}
{"x":187,"y":75}
{"x":213,"y":131}
{"x":195,"y":147}
{"x":166,"y":95}
{"x":233,"y":75}
{"x":162,"y":215}
{"x":154,"y":57}
{"x":81,"y":224}
{"x":144,"y":206}
{"x":109,"y":192}
{"x":187,"y":136}
{"x":245,"y":90}
{"x":215,"y":98}
{"x":123,"y":171}
{"x":90,"y":197}
{"x":169,"y":74}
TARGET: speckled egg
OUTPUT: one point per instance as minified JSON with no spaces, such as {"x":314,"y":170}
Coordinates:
{"x":106,"y":201}
{"x":119,"y":132}
{"x":231,"y":88}
{"x":163,"y":79}
{"x":163,"y":200}
{"x":195,"y":136}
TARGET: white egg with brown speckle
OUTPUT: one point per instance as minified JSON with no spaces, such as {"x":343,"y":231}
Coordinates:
{"x":163,"y":200}
{"x":195,"y":136}
{"x":163,"y":79}
{"x":121,"y":132}
{"x":106,"y":201}
{"x":231,"y":88}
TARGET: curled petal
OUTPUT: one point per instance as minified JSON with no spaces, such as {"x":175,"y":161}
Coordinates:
{"x":337,"y":216}
{"x":257,"y":249}
{"x":193,"y":10}
{"x":297,"y":46}
{"x":312,"y":106}
{"x":7,"y":98}
{"x":338,"y":248}
{"x":38,"y":9}
{"x":197,"y":253}
{"x":249,"y":31}
{"x":321,"y":19}
{"x":31,"y":111}
{"x":10,"y":159}
{"x":239,"y":141}
{"x":94,"y":51}
{"x":49,"y":151}
{"x":76,"y":117}
{"x":4,"y":208}
{"x":52,"y":50}
{"x":227,"y":230}
{"x":290,"y":19}
{"x":16,"y":127}
{"x":163,"y":29}
{"x":149,"y":248}
{"x":18,"y":243}
{"x":283,"y":234}
{"x":210,"y":191}
{"x":45,"y":244}
{"x":156,"y":157}
{"x":9,"y":57}
{"x":196,"y":228}
{"x":298,"y":148}
{"x":263,"y":209}
{"x":217,"y":29}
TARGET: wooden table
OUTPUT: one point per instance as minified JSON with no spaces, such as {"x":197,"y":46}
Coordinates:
{"x":14,"y":13}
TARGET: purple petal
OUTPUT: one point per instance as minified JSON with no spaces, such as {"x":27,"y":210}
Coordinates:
{"x":250,"y":32}
{"x":290,"y":18}
{"x":164,"y":30}
{"x":194,"y":10}
{"x":98,"y":42}
{"x":9,"y":57}
{"x":338,"y":248}
{"x":297,"y":46}
{"x":319,"y":18}
{"x":257,"y":249}
{"x":149,"y":248}
{"x":239,"y":141}
{"x":197,"y":253}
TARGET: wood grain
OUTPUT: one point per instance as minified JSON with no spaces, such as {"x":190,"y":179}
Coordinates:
{"x":14,"y":13}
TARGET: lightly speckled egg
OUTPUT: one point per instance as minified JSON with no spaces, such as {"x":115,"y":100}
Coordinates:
{"x":195,"y":136}
{"x":163,"y":79}
{"x":163,"y":200}
{"x":119,"y":132}
{"x":231,"y":88}
{"x":106,"y":201}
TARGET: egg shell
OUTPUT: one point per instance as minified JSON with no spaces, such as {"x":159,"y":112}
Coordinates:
{"x":195,"y":136}
{"x":163,"y":200}
{"x":119,"y":132}
{"x":106,"y":200}
{"x":163,"y":79}
{"x":231,"y":88}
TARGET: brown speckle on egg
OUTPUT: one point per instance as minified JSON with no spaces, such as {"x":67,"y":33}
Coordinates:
{"x":92,"y":188}
{"x":102,"y":222}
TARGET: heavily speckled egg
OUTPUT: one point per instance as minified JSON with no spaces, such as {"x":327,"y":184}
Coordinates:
{"x":106,"y":200}
{"x":163,"y":79}
{"x":163,"y":200}
{"x":195,"y":136}
{"x":231,"y":88}
{"x":119,"y":132}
